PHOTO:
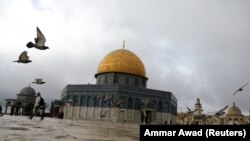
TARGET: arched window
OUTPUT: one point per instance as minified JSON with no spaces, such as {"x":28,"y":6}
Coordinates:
{"x":104,"y":100}
{"x":106,"y":79}
{"x":130,"y":102}
{"x":166,"y":107}
{"x":160,"y":106}
{"x":136,"y":81}
{"x":96,"y":101}
{"x":83,"y":100}
{"x":154,"y":103}
{"x":90,"y":101}
{"x":76,"y":100}
{"x":123,"y":101}
{"x":137,"y":103}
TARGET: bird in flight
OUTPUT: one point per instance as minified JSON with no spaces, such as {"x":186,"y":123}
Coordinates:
{"x":221,"y":111}
{"x":23,"y":58}
{"x":39,"y":81}
{"x":240,"y":89}
{"x":39,"y":41}
{"x":190,"y":111}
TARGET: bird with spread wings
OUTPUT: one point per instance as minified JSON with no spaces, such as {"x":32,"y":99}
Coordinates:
{"x":191,"y":111}
{"x":23,"y":58}
{"x":39,"y":81}
{"x":39,"y":41}
{"x":240,"y":89}
{"x":221,"y":111}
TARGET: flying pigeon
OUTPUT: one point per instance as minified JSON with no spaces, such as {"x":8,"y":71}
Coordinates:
{"x":221,"y":111}
{"x":39,"y":81}
{"x":39,"y":41}
{"x":240,"y":89}
{"x":23,"y":58}
{"x":191,"y":111}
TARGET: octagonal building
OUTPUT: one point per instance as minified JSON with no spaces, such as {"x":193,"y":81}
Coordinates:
{"x":120,"y":94}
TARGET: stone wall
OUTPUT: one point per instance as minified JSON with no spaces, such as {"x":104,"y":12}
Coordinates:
{"x":120,"y":115}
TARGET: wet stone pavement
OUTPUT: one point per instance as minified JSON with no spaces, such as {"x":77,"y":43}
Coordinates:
{"x":20,"y":128}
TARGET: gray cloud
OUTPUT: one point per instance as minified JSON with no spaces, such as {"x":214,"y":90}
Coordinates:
{"x":191,"y":48}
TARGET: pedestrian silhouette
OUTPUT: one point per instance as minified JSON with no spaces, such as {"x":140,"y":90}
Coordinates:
{"x":39,"y":107}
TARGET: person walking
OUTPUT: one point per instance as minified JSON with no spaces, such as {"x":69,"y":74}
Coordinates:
{"x":0,"y":110}
{"x":38,"y":107}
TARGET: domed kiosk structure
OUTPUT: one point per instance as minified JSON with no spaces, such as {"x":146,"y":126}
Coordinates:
{"x":234,"y":116}
{"x":24,"y":103}
{"x":120,"y":94}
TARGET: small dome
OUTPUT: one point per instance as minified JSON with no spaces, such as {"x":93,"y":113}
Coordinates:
{"x":28,"y":91}
{"x":123,"y":61}
{"x":234,"y":111}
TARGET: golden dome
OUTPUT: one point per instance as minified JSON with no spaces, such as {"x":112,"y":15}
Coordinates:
{"x":123,"y":61}
{"x":234,"y":111}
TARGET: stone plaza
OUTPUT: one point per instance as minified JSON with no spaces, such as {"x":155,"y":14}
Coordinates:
{"x":20,"y":128}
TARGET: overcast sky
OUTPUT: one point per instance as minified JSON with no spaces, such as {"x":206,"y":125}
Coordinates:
{"x":192,"y":48}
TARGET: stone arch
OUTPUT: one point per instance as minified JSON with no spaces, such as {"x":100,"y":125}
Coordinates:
{"x":76,"y":100}
{"x":82,"y":105}
{"x":96,"y":101}
{"x":89,"y":101}
{"x":236,"y":121}
{"x":83,"y":100}
{"x":104,"y":100}
{"x":241,"y":121}
{"x":230,"y":121}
